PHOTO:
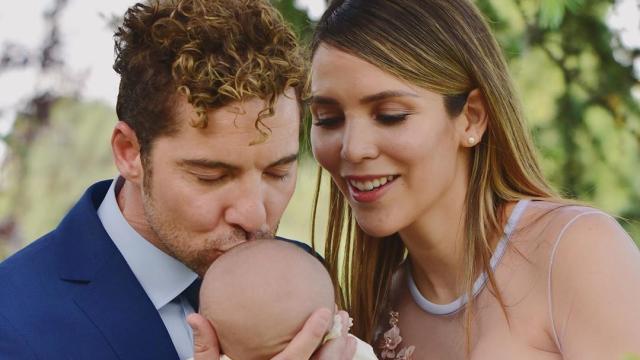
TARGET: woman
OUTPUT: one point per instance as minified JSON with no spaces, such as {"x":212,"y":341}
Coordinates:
{"x":460,"y":248}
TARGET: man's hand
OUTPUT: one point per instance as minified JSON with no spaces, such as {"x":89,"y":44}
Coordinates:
{"x":302,"y":347}
{"x":205,"y":340}
{"x":341,"y":348}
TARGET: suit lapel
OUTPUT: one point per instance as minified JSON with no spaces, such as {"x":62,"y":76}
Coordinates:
{"x":107,"y":291}
{"x":117,"y":305}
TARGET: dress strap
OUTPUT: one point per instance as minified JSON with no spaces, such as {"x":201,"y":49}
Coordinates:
{"x":554,"y":250}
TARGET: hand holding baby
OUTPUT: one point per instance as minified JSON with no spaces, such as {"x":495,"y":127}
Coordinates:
{"x":303,"y":346}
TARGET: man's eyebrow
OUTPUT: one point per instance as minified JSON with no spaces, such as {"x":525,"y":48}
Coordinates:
{"x":209,"y":164}
{"x":325,"y":100}
{"x":285,"y":160}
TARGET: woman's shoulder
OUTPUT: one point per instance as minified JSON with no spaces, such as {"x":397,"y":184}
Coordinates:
{"x":567,"y":232}
{"x":589,"y":262}
{"x":559,"y":209}
{"x":556,"y":218}
{"x":554,"y":230}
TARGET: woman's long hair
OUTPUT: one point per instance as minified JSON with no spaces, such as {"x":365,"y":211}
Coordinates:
{"x":444,"y":46}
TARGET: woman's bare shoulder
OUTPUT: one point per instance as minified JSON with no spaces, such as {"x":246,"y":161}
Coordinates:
{"x":569,"y":238}
{"x":592,"y":264}
{"x":558,"y":209}
{"x":550,"y":226}
{"x":546,"y":220}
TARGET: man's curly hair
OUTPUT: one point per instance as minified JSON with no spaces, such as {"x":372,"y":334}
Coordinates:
{"x":214,"y":52}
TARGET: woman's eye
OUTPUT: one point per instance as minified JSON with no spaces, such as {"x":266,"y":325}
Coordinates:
{"x":327,"y":122}
{"x":392,"y":118}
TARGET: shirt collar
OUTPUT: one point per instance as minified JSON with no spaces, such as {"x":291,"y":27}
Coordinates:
{"x":162,"y":277}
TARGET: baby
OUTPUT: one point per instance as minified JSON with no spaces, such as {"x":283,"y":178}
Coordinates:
{"x":259,"y":294}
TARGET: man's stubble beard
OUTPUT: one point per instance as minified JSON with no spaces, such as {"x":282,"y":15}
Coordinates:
{"x":177,"y":242}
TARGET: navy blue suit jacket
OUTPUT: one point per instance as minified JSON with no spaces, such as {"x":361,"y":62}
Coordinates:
{"x":71,"y":295}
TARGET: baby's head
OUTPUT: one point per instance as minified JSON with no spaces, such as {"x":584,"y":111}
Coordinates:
{"x":259,"y":294}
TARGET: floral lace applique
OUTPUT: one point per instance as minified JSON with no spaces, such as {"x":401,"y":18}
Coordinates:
{"x":391,"y":339}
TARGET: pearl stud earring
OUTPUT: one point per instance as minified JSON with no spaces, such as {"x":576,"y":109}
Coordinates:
{"x":471,"y":140}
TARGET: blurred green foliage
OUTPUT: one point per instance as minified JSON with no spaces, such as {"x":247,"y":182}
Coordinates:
{"x":574,"y":77}
{"x":576,"y":82}
{"x":296,"y":17}
{"x":39,"y":185}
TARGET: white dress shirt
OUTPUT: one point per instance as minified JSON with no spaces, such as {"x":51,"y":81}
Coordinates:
{"x":162,"y":277}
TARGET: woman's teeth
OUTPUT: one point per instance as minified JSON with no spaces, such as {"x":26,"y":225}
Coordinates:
{"x":370,"y":184}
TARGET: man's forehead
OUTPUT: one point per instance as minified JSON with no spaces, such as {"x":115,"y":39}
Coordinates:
{"x":249,"y":115}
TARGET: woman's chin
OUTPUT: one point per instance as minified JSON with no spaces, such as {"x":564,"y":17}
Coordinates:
{"x":377,"y":230}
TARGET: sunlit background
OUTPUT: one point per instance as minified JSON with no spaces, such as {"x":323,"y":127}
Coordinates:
{"x":56,"y":118}
{"x":87,"y":49}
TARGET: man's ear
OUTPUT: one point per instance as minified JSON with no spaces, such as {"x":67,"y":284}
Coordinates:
{"x":126,"y":153}
{"x":475,"y":117}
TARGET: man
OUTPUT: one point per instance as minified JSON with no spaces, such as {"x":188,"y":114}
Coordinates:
{"x":206,"y":148}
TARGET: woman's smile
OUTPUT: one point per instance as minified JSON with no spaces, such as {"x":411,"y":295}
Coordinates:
{"x":368,"y":189}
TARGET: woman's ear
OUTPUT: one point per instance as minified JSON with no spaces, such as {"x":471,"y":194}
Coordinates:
{"x":126,"y":152}
{"x":475,"y":118}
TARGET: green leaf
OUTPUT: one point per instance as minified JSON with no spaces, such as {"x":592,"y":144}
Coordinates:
{"x":552,"y":12}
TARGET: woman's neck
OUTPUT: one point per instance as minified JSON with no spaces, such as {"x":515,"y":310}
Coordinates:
{"x":436,"y":248}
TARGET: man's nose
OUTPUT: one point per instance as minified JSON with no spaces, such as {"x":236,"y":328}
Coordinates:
{"x":247,"y":209}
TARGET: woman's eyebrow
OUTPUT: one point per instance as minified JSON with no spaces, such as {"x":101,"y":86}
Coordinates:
{"x":325,"y":100}
{"x":322,"y":100}
{"x":385,"y":95}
